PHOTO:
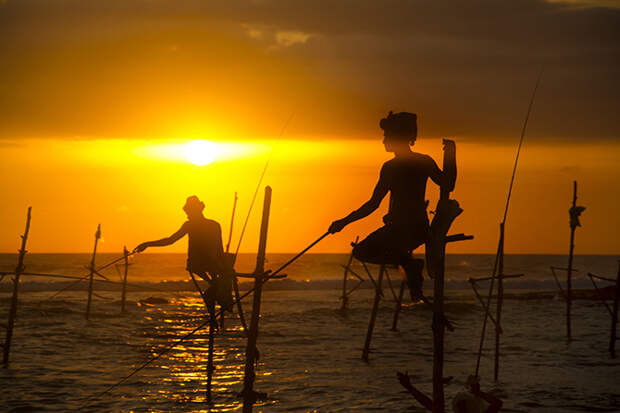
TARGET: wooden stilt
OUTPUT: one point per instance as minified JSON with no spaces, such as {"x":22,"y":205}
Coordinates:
{"x":373,"y":314}
{"x":126,"y":271}
{"x":569,"y":271}
{"x":500,"y":301}
{"x":92,"y":271}
{"x":210,"y":306}
{"x":13,"y":310}
{"x":614,"y":317}
{"x":345,"y":295}
{"x":399,"y":305}
{"x":249,"y":395}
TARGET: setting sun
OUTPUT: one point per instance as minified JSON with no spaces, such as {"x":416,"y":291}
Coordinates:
{"x":200,"y":152}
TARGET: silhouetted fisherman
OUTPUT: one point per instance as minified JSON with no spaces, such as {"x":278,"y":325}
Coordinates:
{"x":205,"y":254}
{"x":406,"y":224}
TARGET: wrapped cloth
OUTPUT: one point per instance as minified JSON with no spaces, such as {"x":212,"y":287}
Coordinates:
{"x":575,"y":213}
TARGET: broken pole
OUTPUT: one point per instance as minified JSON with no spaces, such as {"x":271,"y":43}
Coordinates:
{"x":126,"y":267}
{"x":373,"y":314}
{"x":399,"y":305}
{"x":249,"y":396}
{"x":92,"y":271}
{"x":345,"y":295}
{"x":13,"y":310}
{"x":500,"y":300}
{"x":569,"y":269}
{"x":614,"y":317}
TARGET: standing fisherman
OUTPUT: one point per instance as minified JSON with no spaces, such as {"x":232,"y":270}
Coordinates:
{"x":205,"y":254}
{"x":406,"y":223}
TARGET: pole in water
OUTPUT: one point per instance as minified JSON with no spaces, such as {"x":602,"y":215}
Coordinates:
{"x":614,"y":317}
{"x":345,"y":295}
{"x":569,"y":270}
{"x":399,"y":305}
{"x":500,"y":300}
{"x":373,"y":314}
{"x":92,"y":271}
{"x":13,"y":310}
{"x":249,"y":396}
{"x":126,"y":270}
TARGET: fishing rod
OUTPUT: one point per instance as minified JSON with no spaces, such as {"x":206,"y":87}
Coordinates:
{"x":260,"y":181}
{"x":500,"y":246}
{"x":200,"y":326}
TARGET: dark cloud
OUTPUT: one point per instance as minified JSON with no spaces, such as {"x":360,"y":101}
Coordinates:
{"x":468,"y":67}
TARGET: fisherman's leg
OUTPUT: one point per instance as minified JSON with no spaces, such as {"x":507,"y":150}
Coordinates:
{"x":413,"y":266}
{"x":377,"y":248}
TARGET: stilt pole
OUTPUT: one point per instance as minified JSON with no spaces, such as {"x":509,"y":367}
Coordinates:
{"x":500,"y":300}
{"x":399,"y":305}
{"x":345,"y":295}
{"x":126,"y":268}
{"x":569,"y":270}
{"x":373,"y":314}
{"x":92,"y":271}
{"x":13,"y":310}
{"x":249,"y":396}
{"x":614,"y":317}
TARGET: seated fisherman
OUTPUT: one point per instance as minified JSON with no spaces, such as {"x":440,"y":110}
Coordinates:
{"x":205,"y":254}
{"x":406,"y":224}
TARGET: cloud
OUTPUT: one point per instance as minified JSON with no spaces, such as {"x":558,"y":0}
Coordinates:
{"x":468,"y":67}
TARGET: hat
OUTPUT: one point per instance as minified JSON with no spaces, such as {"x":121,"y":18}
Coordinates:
{"x":400,"y":124}
{"x":193,"y":203}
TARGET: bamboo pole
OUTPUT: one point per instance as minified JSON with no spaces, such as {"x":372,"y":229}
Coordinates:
{"x":500,"y":301}
{"x":373,"y":314}
{"x":249,"y":396}
{"x":126,"y":268}
{"x":92,"y":271}
{"x":614,"y":317}
{"x":345,"y":295}
{"x":569,"y":270}
{"x":399,"y":305}
{"x":13,"y":310}
{"x":235,"y":285}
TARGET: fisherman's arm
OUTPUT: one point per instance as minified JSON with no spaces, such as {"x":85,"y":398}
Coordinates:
{"x":448,"y":175}
{"x":164,"y":241}
{"x":381,"y":189}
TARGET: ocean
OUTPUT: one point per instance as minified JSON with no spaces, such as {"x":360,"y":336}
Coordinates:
{"x":310,"y":352}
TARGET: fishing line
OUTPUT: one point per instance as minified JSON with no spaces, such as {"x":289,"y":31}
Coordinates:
{"x":202,"y":325}
{"x":260,"y":181}
{"x":500,"y":245}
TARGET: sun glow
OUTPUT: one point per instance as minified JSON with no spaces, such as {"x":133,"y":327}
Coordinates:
{"x":200,"y":152}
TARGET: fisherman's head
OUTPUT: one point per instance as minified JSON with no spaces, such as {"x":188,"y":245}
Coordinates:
{"x":193,"y":207}
{"x":400,"y":131}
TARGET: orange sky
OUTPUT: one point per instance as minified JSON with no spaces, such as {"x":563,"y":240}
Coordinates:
{"x":135,"y":189}
{"x":97,"y":99}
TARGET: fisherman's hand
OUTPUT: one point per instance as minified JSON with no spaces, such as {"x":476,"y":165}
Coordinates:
{"x":141,"y":247}
{"x":337,"y":226}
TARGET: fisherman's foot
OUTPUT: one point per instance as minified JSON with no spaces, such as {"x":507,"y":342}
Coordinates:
{"x":413,"y":269}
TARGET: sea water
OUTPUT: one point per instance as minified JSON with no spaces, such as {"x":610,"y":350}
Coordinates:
{"x":310,"y":352}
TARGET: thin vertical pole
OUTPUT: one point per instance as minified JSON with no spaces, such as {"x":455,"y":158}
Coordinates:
{"x":373,"y":314}
{"x":124,"y":291}
{"x":250,"y":352}
{"x":569,"y":271}
{"x":13,"y":310}
{"x":614,"y":317}
{"x":235,"y":285}
{"x":500,"y":300}
{"x":399,"y":305}
{"x":92,"y":271}
{"x":345,"y":297}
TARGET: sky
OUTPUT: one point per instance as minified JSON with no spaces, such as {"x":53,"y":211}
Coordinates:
{"x":99,"y":99}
